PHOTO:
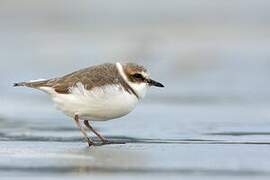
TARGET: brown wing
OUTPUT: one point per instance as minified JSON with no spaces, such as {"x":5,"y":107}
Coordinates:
{"x":94,"y":76}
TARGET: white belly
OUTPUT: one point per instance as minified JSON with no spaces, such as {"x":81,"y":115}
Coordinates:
{"x":103,"y":103}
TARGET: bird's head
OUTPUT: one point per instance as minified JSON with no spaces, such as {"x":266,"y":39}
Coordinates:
{"x":138,"y":78}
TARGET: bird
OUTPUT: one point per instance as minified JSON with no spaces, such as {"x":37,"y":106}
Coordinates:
{"x":97,"y":93}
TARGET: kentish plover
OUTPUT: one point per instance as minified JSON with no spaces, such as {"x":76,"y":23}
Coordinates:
{"x":97,"y":93}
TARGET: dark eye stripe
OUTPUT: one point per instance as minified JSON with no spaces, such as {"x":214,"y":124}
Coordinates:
{"x":138,"y":76}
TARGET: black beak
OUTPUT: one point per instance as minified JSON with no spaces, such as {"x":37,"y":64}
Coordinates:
{"x":154,"y":83}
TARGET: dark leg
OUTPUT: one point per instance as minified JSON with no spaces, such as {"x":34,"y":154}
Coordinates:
{"x":89,"y":141}
{"x":104,"y":141}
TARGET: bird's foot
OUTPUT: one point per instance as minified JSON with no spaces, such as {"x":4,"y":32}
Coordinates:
{"x":91,"y":143}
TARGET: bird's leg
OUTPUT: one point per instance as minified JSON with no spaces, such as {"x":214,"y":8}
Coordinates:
{"x":89,"y":141}
{"x":104,"y":141}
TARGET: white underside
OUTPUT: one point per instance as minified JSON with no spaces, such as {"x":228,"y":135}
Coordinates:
{"x":99,"y":104}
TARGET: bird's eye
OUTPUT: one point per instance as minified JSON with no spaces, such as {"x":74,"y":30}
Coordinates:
{"x":138,"y":76}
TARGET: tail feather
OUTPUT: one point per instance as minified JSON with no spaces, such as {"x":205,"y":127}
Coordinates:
{"x":32,"y":84}
{"x":19,"y":84}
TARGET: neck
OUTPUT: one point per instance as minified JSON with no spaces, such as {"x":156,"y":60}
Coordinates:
{"x":139,"y":90}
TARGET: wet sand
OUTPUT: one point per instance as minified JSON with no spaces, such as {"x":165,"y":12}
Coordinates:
{"x":179,"y":141}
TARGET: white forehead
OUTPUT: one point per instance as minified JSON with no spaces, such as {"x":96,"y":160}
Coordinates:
{"x":145,"y":74}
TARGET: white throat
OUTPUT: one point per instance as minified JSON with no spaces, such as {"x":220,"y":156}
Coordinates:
{"x":140,"y":89}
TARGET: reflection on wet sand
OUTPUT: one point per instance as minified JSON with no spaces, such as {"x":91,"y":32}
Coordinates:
{"x":54,"y":158}
{"x":112,"y":158}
